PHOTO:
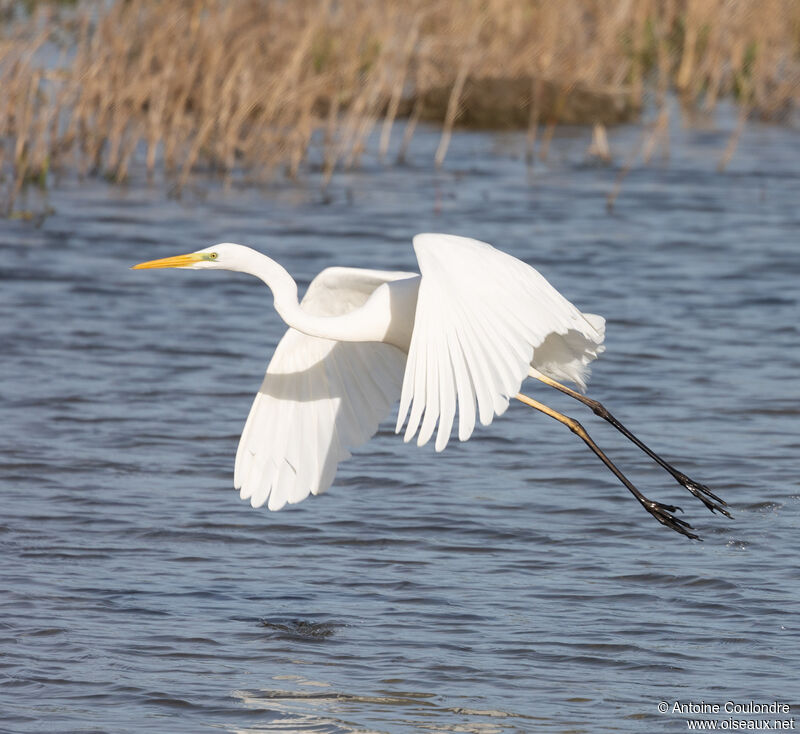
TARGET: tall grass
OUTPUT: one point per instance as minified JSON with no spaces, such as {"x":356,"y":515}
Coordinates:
{"x":252,"y":87}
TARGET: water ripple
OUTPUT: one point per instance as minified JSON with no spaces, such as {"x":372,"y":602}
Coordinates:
{"x":508,"y":585}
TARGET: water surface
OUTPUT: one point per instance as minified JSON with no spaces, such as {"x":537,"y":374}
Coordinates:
{"x":507,"y":585}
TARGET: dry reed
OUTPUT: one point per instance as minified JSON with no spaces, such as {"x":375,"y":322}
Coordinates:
{"x":255,"y":87}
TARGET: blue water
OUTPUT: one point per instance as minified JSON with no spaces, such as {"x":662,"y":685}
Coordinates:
{"x":510,"y":584}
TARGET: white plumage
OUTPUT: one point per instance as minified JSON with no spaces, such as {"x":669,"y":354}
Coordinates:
{"x":481,"y":318}
{"x":319,"y":399}
{"x":459,"y":339}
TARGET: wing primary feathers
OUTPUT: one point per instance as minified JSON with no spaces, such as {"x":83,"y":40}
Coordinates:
{"x":451,"y":392}
{"x":431,"y":404}
{"x":481,"y":314}
{"x":419,"y":385}
{"x":465,"y":386}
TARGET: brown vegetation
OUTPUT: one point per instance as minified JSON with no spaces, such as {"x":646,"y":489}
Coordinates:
{"x":255,"y":85}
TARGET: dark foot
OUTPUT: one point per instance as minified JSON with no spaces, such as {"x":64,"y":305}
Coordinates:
{"x":664,"y":514}
{"x":704,"y":494}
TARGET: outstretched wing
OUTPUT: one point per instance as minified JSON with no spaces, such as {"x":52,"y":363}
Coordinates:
{"x":319,"y":399}
{"x":481,"y":315}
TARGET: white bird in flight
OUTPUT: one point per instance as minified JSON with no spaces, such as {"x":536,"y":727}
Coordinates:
{"x":461,"y":336}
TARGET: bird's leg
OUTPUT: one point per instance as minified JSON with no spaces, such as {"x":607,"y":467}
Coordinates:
{"x":662,"y":513}
{"x":701,"y":491}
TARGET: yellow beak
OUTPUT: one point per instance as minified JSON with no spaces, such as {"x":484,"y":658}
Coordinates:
{"x":179,"y":261}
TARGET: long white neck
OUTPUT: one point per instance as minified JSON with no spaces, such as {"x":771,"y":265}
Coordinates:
{"x":364,"y":324}
{"x":282,"y":285}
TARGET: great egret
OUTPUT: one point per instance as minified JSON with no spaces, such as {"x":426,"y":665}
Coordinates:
{"x":464,"y":334}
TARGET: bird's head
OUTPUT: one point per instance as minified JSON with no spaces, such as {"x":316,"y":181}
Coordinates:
{"x":224,"y":256}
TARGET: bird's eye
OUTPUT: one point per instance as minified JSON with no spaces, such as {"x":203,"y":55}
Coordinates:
{"x":213,"y":256}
